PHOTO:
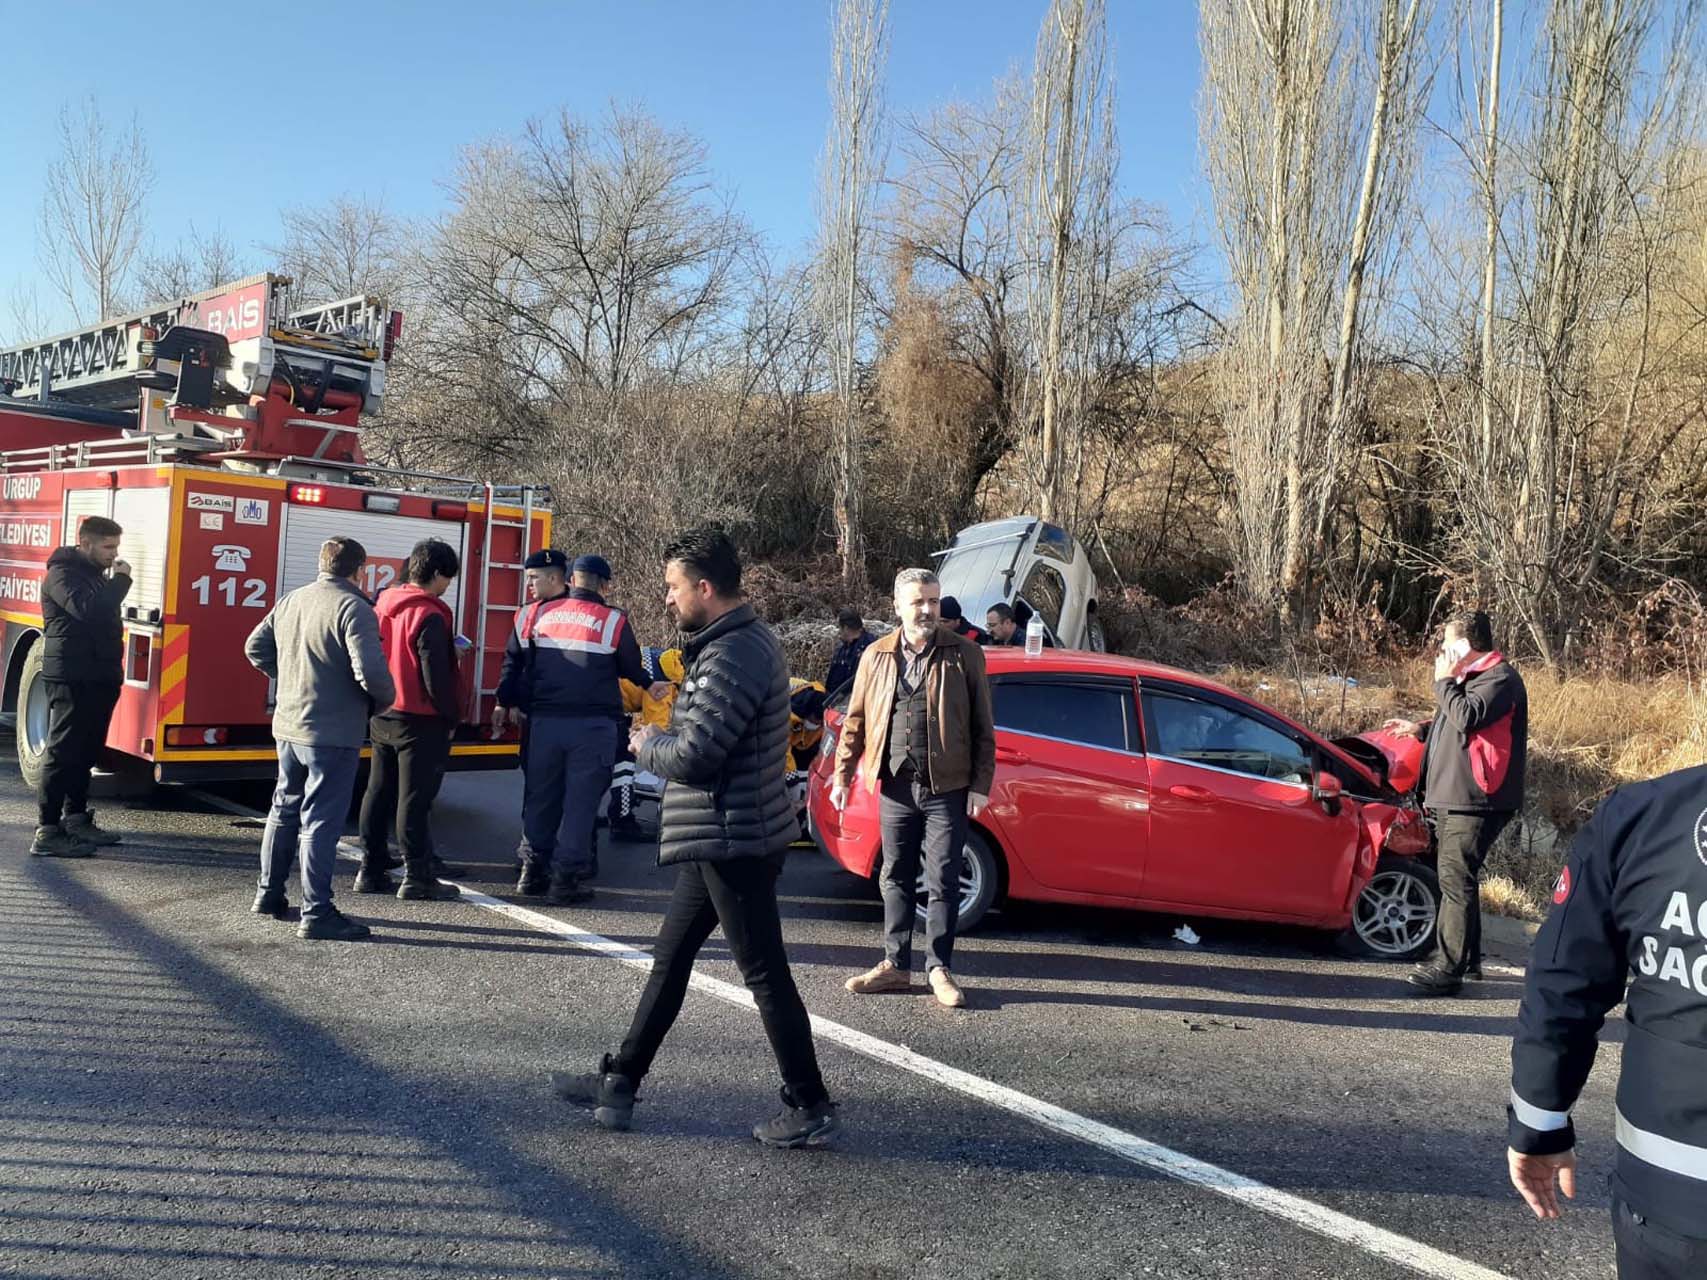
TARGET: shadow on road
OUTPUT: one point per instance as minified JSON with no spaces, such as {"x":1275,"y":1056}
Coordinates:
{"x":161,"y":1046}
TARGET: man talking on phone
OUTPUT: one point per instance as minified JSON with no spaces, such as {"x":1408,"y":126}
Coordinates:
{"x":1473,"y":762}
{"x":83,"y":670}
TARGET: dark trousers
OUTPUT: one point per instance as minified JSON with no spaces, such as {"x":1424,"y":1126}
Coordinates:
{"x":78,"y":715}
{"x":740,"y":895}
{"x":1647,"y":1251}
{"x":918,"y":825}
{"x":1462,"y":841}
{"x":409,"y":757}
{"x":565,"y":776}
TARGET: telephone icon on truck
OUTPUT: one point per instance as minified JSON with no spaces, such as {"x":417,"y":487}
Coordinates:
{"x":229,"y":558}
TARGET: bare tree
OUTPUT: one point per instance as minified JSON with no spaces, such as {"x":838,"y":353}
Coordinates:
{"x":347,"y":246}
{"x":26,"y":321}
{"x":196,"y":263}
{"x":1285,"y":113}
{"x":955,"y":228}
{"x":1070,"y":172}
{"x":1575,"y":401}
{"x":1491,"y":201}
{"x":591,"y":312}
{"x":90,"y":224}
{"x":850,"y":171}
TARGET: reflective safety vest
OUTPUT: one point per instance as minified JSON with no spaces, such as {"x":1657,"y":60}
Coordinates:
{"x":571,"y":644}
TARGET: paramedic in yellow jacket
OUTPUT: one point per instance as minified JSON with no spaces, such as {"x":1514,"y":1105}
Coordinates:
{"x":643,"y":708}
{"x":805,"y":719}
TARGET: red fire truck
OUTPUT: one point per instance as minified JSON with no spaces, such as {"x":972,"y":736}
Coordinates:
{"x":222,"y":431}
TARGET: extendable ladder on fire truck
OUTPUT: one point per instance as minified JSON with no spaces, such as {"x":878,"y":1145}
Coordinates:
{"x":106,"y":365}
{"x":524,"y":497}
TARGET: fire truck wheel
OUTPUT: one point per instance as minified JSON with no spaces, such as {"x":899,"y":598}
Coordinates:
{"x":32,"y":717}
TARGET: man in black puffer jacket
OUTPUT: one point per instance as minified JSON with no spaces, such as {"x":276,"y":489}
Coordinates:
{"x":725,"y":823}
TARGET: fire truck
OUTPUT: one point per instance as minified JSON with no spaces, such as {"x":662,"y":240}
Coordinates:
{"x":223,"y":432}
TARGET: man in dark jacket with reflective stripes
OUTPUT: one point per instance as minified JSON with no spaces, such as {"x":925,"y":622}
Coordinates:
{"x":1474,"y":755}
{"x":563,"y":668}
{"x":725,"y":823}
{"x":1630,"y":907}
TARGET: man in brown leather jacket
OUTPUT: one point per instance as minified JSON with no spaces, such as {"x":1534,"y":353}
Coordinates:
{"x":919,"y":726}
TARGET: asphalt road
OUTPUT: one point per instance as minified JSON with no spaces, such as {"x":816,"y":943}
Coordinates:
{"x":187,"y":1090}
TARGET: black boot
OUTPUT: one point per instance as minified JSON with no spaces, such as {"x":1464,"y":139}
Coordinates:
{"x":372,"y":878}
{"x":566,"y":891}
{"x":421,"y":885}
{"x":607,"y":1092}
{"x":271,"y":902}
{"x":1435,"y":980}
{"x":796,"y":1126}
{"x":533,"y":881}
{"x":334,"y":926}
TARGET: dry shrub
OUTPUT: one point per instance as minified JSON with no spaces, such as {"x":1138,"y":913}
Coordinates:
{"x":1662,"y":633}
{"x":1214,"y":629}
{"x":1504,"y":896}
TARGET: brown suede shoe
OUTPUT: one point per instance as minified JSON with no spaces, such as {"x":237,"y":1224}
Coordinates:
{"x":885,"y":977}
{"x":948,"y":992}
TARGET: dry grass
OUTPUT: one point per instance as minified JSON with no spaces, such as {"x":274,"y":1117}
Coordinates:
{"x":1504,"y":896}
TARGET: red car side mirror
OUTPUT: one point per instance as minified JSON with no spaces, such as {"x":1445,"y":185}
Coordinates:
{"x":1327,"y":791}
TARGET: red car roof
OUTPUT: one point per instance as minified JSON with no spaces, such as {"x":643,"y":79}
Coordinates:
{"x":1007,"y":659}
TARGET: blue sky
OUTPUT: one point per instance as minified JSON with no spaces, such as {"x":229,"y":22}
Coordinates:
{"x":293,"y":104}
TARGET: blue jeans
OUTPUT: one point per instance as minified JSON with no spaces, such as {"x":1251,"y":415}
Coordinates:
{"x":310,"y":804}
{"x":566,"y":775}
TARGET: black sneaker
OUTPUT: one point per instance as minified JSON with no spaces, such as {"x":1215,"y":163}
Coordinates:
{"x":566,"y":891}
{"x":271,"y":902}
{"x":1432,"y":981}
{"x":607,"y":1093}
{"x":84,"y":827}
{"x":57,"y":842}
{"x":427,"y":891}
{"x":374,"y":880}
{"x":334,"y":926}
{"x":793,"y":1126}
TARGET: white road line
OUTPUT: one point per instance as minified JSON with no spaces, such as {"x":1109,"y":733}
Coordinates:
{"x":1128,"y":1146}
{"x":1331,"y":1223}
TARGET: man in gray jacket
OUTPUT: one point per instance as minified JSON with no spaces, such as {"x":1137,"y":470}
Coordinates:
{"x":321,"y":644}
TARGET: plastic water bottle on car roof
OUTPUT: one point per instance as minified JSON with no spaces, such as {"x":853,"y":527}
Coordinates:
{"x":1033,"y":636}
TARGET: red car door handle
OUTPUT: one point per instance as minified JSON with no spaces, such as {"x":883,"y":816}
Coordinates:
{"x":1185,"y":792}
{"x":1007,"y":755}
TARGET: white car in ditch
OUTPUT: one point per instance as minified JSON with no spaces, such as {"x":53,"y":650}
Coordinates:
{"x":1024,"y":561}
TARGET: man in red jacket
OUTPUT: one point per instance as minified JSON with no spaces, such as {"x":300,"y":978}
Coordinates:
{"x":1475,"y":751}
{"x":411,"y":740}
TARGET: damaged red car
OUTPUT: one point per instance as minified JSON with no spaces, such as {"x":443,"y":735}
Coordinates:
{"x":1122,"y":783}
